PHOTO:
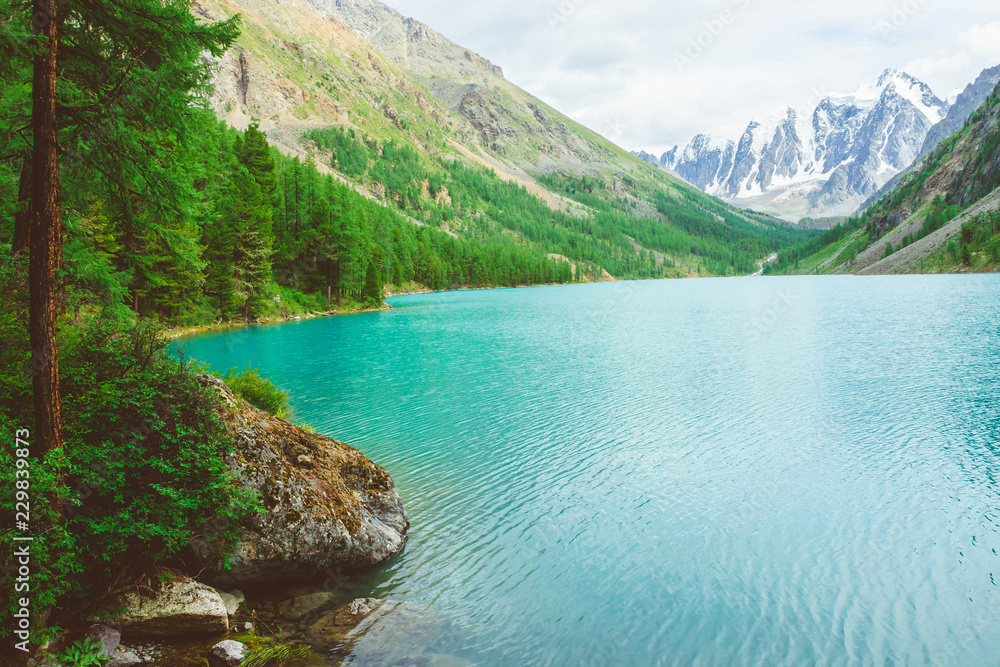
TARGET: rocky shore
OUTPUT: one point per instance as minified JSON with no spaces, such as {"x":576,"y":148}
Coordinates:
{"x":328,"y":511}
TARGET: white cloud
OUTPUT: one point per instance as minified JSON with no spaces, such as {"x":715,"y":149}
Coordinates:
{"x":950,"y":66}
{"x":613,"y":62}
{"x":982,"y":40}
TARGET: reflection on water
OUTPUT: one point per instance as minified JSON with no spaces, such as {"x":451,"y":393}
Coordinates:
{"x":749,"y":471}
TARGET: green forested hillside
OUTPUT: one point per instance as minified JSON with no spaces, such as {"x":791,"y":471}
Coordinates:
{"x":606,"y":232}
{"x":441,"y":136}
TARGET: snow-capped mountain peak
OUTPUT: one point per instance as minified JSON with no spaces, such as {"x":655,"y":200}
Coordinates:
{"x":825,"y":161}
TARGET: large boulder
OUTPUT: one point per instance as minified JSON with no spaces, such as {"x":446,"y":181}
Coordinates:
{"x":328,"y":508}
{"x":180,"y":608}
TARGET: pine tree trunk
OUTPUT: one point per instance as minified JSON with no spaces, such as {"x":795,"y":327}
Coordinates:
{"x":296,"y":174}
{"x":339,"y":286}
{"x":22,"y":213}
{"x":45,"y":236}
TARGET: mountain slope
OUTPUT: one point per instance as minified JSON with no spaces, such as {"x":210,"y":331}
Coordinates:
{"x":304,"y":66}
{"x":821,"y":163}
{"x":943,"y":216}
{"x":965,"y":104}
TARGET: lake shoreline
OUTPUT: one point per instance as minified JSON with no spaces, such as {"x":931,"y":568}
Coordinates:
{"x":178,"y":333}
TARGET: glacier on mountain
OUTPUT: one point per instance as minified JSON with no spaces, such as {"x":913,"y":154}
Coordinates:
{"x":824,"y":161}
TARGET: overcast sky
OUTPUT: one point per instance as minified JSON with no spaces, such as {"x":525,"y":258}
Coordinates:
{"x":651,"y":74}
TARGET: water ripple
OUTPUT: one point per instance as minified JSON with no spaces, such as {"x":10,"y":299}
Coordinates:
{"x":671,"y":474}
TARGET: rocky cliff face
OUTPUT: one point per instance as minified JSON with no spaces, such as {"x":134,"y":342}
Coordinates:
{"x":304,"y":63}
{"x":327,"y":507}
{"x":407,"y":42}
{"x":967,"y":101}
{"x":822,"y":161}
{"x":962,"y":172}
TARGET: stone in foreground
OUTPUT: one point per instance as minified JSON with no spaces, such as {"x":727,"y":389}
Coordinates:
{"x":227,"y":653}
{"x":304,"y":605}
{"x":341,"y":512}
{"x":180,"y":609}
{"x":232,"y":601}
{"x":334,"y":628}
{"x":125,"y":659}
{"x":378,"y":632}
{"x":106,"y":637}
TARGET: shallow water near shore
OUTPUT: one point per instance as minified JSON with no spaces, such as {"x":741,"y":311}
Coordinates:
{"x":772,"y":471}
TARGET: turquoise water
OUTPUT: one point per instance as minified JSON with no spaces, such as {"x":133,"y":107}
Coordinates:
{"x":770,"y":471}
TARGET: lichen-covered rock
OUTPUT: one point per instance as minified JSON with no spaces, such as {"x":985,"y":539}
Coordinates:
{"x":339,"y":512}
{"x":181,"y":608}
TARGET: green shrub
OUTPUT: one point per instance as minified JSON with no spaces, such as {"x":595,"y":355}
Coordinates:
{"x":952,"y":250}
{"x":258,"y":391}
{"x":141,"y":473}
{"x":55,"y":565}
{"x":268,"y":652}
{"x":968,"y":232}
{"x":84,"y":653}
{"x":145,"y":448}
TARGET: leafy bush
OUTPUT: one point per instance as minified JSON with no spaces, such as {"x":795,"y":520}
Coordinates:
{"x":145,"y":449}
{"x":141,"y":472}
{"x":54,"y":552}
{"x":258,"y":391}
{"x":84,"y":653}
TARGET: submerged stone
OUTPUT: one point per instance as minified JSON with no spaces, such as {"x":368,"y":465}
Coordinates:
{"x":378,"y":632}
{"x":304,"y":605}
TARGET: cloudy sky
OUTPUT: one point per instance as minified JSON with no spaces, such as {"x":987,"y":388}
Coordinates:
{"x":651,"y":74}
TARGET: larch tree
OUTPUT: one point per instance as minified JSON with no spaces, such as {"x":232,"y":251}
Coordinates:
{"x":45,"y":232}
{"x":111,"y":89}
